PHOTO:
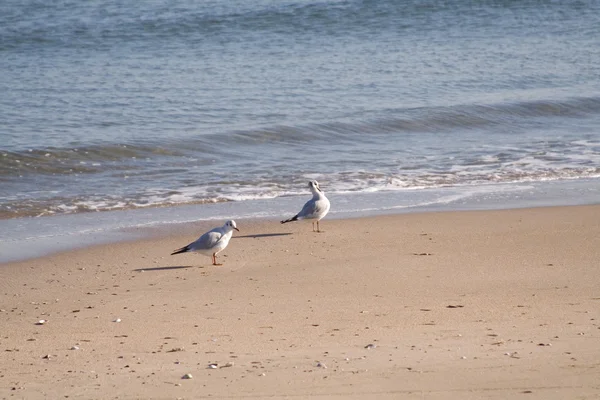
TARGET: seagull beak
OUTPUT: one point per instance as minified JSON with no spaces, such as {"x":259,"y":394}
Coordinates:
{"x":236,"y":229}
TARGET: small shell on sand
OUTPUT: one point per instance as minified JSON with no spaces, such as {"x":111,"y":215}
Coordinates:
{"x":187,"y":376}
{"x":370,"y":346}
{"x":212,"y":366}
{"x":117,"y":320}
{"x":41,"y":322}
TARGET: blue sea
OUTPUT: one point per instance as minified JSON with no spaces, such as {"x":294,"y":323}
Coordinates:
{"x":118,"y":115}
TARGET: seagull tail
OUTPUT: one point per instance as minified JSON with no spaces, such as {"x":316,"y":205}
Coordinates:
{"x":184,"y":249}
{"x":294,"y":218}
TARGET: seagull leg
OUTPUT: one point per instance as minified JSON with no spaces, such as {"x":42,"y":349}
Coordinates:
{"x":215,"y":259}
{"x":318,"y":229}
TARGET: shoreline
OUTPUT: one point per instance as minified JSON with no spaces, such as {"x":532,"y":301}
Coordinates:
{"x":28,"y":238}
{"x":192,"y":230}
{"x":446,"y":305}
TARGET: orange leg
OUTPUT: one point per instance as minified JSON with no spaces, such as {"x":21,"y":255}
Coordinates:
{"x":215,"y":259}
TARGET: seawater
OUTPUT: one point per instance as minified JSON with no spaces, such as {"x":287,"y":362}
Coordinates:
{"x":228,"y":107}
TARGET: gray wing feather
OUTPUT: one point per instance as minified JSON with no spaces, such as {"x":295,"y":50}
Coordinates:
{"x":206,"y":241}
{"x":312,"y":208}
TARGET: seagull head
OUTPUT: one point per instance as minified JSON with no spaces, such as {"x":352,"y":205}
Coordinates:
{"x":230,"y":225}
{"x":314,"y":186}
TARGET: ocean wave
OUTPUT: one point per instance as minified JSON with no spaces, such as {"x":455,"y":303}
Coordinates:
{"x":429,"y":119}
{"x":201,"y":149}
{"x":182,"y":168}
{"x":341,"y":183}
{"x":463,"y":146}
{"x":102,"y":24}
{"x":78,"y":160}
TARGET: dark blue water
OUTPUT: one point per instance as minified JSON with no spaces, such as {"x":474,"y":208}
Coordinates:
{"x":108,"y":105}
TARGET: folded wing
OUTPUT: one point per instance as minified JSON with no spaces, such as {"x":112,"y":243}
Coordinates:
{"x":310,"y":209}
{"x":206,"y":241}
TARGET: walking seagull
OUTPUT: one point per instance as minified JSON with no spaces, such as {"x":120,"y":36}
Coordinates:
{"x":314,"y":209}
{"x":212,"y":242}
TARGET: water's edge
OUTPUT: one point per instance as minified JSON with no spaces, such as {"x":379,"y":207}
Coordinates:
{"x":27,"y":238}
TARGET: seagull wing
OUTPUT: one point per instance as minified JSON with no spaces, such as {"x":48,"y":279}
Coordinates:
{"x":206,"y":241}
{"x":310,"y":209}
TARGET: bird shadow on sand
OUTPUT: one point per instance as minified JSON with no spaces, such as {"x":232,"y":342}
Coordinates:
{"x":166,"y":268}
{"x":260,"y":235}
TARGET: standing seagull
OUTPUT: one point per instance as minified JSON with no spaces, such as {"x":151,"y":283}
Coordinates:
{"x":316,"y":208}
{"x":212,"y":242}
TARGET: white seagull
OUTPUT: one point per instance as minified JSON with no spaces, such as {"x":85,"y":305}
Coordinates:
{"x":212,"y":242}
{"x":314,"y":209}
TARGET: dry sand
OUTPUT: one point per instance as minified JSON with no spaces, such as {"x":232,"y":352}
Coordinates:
{"x":461,"y":305}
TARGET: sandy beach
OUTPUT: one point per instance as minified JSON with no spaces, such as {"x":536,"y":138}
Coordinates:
{"x":453,"y":305}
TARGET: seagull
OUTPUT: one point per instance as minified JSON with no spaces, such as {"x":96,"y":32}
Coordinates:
{"x":316,"y":208}
{"x":212,"y":242}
